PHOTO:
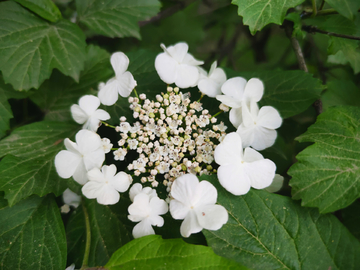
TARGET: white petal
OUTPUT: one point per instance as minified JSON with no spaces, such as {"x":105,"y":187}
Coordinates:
{"x":178,"y":210}
{"x":276,"y":184}
{"x":212,"y":217}
{"x":269,"y":117}
{"x":187,"y":76}
{"x":190,"y":60}
{"x":71,"y":267}
{"x":126,"y":84}
{"x":66,"y":163}
{"x":202,"y":73}
{"x":94,"y":159}
{"x":71,"y":146}
{"x":108,"y":195}
{"x":89,"y":104}
{"x":108,"y":171}
{"x":158,"y":207}
{"x":229,"y":100}
{"x":135,"y":190}
{"x":235,"y":116}
{"x":178,"y":51}
{"x":246,"y":134}
{"x":143,"y":228}
{"x":95,"y":175}
{"x":119,"y":62}
{"x":234,"y":88}
{"x":92,"y":124}
{"x":121,"y":181}
{"x":87,"y":141}
{"x":219,"y":76}
{"x":78,"y":114}
{"x":234,"y":179}
{"x":71,"y":198}
{"x":229,"y":150}
{"x":80,"y":175}
{"x":261,"y":173}
{"x":263,"y":138}
{"x":92,"y":189}
{"x":247,"y":116}
{"x":206,"y":193}
{"x":254,"y":90}
{"x":212,"y":68}
{"x":109,"y":94}
{"x":184,"y":187}
{"x":209,"y":87}
{"x":251,"y":155}
{"x":101,"y":115}
{"x":190,"y":225}
{"x":166,"y":67}
{"x":156,"y":221}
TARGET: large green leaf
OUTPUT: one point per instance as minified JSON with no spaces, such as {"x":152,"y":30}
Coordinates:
{"x":157,"y":253}
{"x":351,"y":218}
{"x":32,"y":235}
{"x":5,"y":113}
{"x":258,"y":14}
{"x":348,"y":49}
{"x":347,"y":8}
{"x":114,"y":18}
{"x":44,"y":8}
{"x":334,"y":23}
{"x":340,"y":92}
{"x":28,"y":167}
{"x":110,"y":230}
{"x":269,"y":231}
{"x":30,"y":47}
{"x":327,"y":174}
{"x":290,"y":92}
{"x":56,"y":95}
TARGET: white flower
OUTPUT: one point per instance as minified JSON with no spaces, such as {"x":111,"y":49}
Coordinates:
{"x":238,"y":92}
{"x":105,"y":185}
{"x":71,"y":198}
{"x":106,"y":145}
{"x":122,"y":84}
{"x":120,"y":154}
{"x":177,"y":66}
{"x":258,"y":127}
{"x":87,"y":113}
{"x":71,"y":267}
{"x":147,"y":210}
{"x":87,"y":153}
{"x":137,"y":189}
{"x":132,"y":143}
{"x":210,"y":84}
{"x":194,"y":202}
{"x":241,"y":169}
{"x":276,"y":185}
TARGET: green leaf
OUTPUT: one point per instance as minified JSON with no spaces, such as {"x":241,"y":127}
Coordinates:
{"x":290,"y":92}
{"x":44,"y":8}
{"x":347,"y":8}
{"x":341,"y":92}
{"x":334,"y":23}
{"x":351,"y":218}
{"x":350,"y":51}
{"x":269,"y":231}
{"x":327,"y":174}
{"x":30,"y":47}
{"x":295,"y":18}
{"x":110,"y":230}
{"x":116,"y":18}
{"x":258,"y":14}
{"x":5,"y":113}
{"x":56,"y":95}
{"x":28,"y":167}
{"x":32,"y":235}
{"x":157,"y":253}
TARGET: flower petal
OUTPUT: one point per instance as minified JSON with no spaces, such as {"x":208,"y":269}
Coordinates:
{"x":89,"y":104}
{"x":178,"y":51}
{"x":87,"y":141}
{"x":94,"y":159}
{"x":95,"y":175}
{"x":235,"y":117}
{"x":109,"y":94}
{"x":246,"y":134}
{"x":156,"y":220}
{"x":92,"y":124}
{"x":158,"y":206}
{"x":135,"y":190}
{"x":263,"y":138}
{"x":229,"y":150}
{"x":71,"y":198}
{"x":261,"y":173}
{"x":209,"y":87}
{"x":276,"y":184}
{"x":119,"y":62}
{"x":229,"y":100}
{"x":254,"y":90}
{"x":212,"y":68}
{"x":108,"y":195}
{"x":71,"y":146}
{"x":92,"y":189}
{"x":166,"y":67}
{"x":212,"y":217}
{"x":121,"y":181}
{"x":187,"y":76}
{"x":218,"y":75}
{"x":251,"y":155}
{"x":108,"y":171}
{"x":143,"y":228}
{"x":101,"y":115}
{"x":78,"y":114}
{"x":205,"y":194}
{"x":126,"y":84}
{"x":190,"y":225}
{"x":269,"y":117}
{"x":234,"y":179}
{"x":178,"y":210}
{"x":190,"y":60}
{"x":234,"y":88}
{"x":66,"y":163}
{"x":184,"y":188}
{"x":80,"y":175}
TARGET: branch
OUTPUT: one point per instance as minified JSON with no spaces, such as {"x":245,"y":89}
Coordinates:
{"x":167,"y":12}
{"x":328,"y":11}
{"x":313,"y":29}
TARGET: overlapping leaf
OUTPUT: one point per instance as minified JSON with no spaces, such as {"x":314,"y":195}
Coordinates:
{"x":347,"y":8}
{"x":346,"y":50}
{"x":351,"y":218}
{"x":116,"y":18}
{"x":327,"y":174}
{"x":258,"y":14}
{"x":157,"y":253}
{"x":269,"y":231}
{"x":28,"y":167}
{"x":30,"y":47}
{"x":32,"y":235}
{"x":341,"y":92}
{"x":44,"y":8}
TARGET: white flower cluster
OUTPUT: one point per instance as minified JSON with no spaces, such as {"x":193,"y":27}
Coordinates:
{"x":170,"y":141}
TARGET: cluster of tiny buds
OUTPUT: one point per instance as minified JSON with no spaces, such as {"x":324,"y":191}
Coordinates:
{"x":172,"y":135}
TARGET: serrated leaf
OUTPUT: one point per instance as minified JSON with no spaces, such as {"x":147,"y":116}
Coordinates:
{"x":290,"y":92}
{"x":32,"y":235}
{"x":110,"y":229}
{"x":116,"y":18}
{"x":340,"y":92}
{"x":258,"y":14}
{"x":56,"y":95}
{"x":327,"y":174}
{"x":351,"y":218}
{"x":31,"y":48}
{"x":349,"y":48}
{"x":347,"y":8}
{"x":28,"y":167}
{"x":157,"y":253}
{"x":44,"y":8}
{"x":269,"y":231}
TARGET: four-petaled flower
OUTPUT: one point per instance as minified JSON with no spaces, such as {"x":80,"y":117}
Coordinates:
{"x":210,"y":84}
{"x":241,"y":169}
{"x":194,"y":202}
{"x":106,"y":184}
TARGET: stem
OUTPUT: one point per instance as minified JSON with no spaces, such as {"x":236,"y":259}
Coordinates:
{"x":107,"y":125}
{"x":88,"y":236}
{"x":314,"y":8}
{"x":322,"y":5}
{"x":216,"y":114}
{"x":322,"y":12}
{"x":114,"y":149}
{"x":136,"y":94}
{"x":314,"y":29}
{"x":202,"y":95}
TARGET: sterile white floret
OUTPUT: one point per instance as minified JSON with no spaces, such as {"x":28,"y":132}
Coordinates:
{"x":210,"y":84}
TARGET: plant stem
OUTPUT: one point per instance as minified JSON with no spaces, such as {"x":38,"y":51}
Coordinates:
{"x":216,"y":114}
{"x":107,"y":125}
{"x":88,"y":236}
{"x":314,"y":29}
{"x":314,"y":8}
{"x":136,"y":94}
{"x":322,"y":12}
